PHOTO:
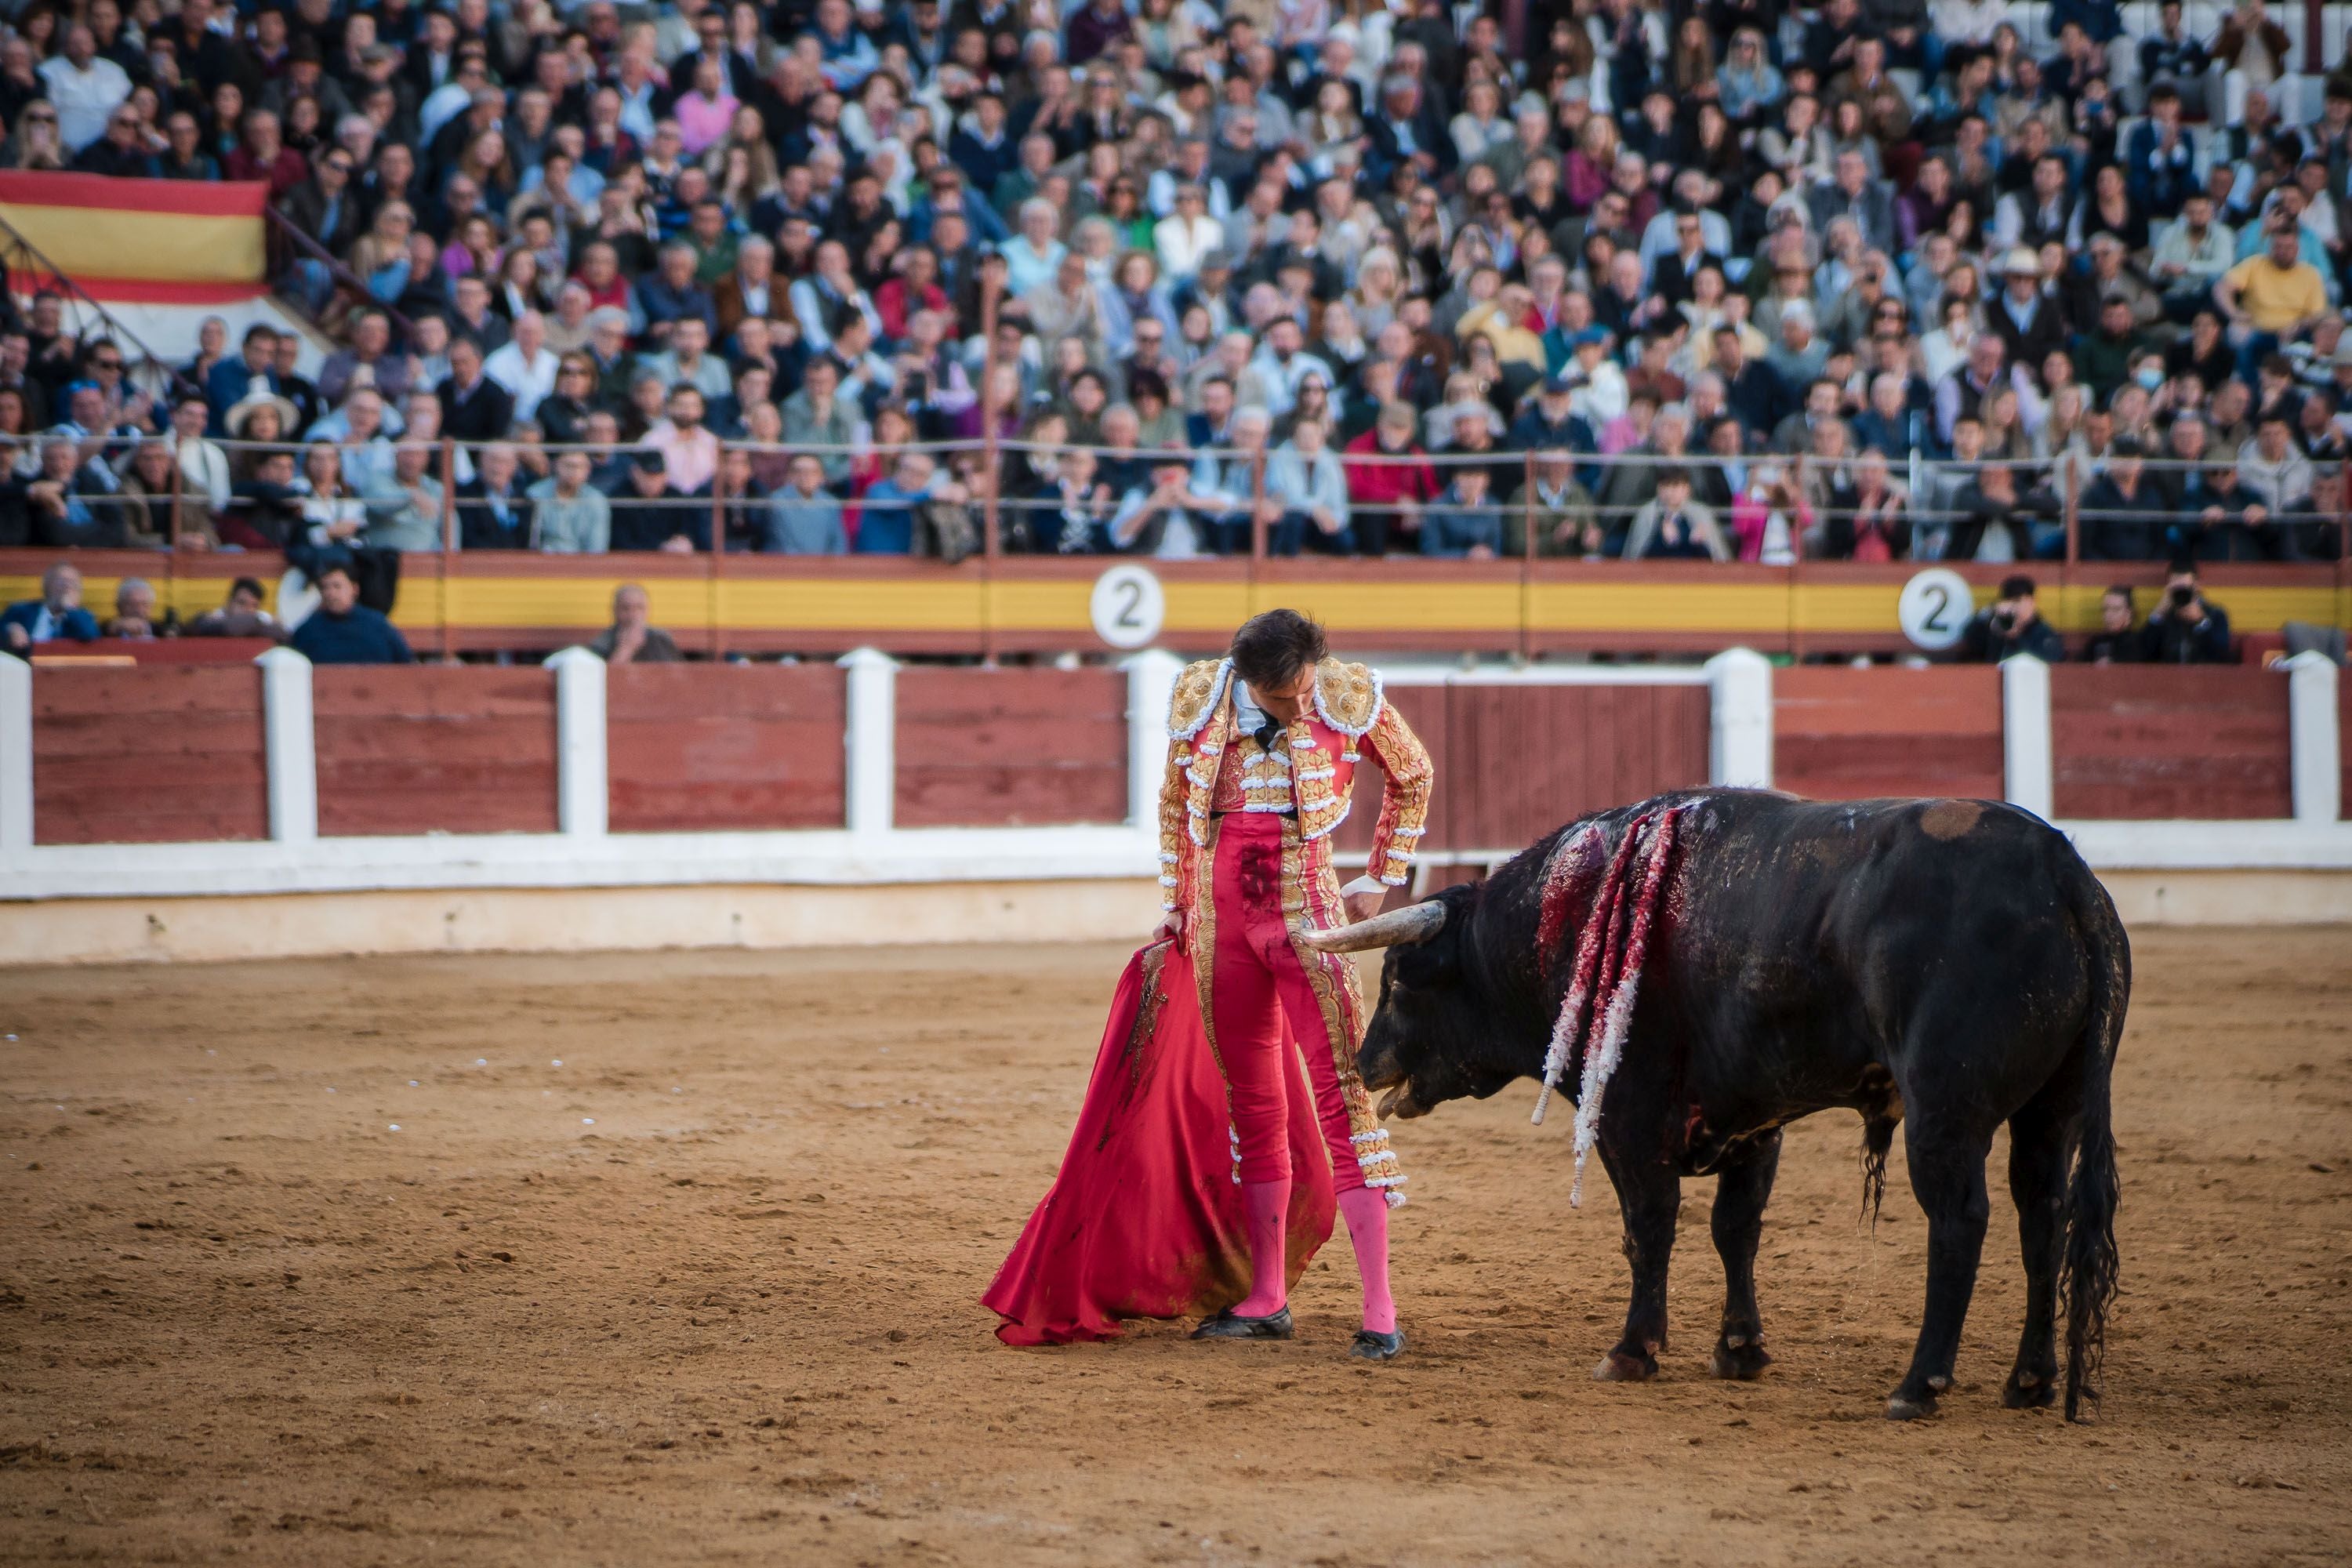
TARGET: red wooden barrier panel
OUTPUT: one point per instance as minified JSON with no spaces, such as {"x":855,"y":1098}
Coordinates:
{"x":2131,"y":741}
{"x":992,"y":748}
{"x":693,"y":747}
{"x":1514,"y":761}
{"x":155,"y":651}
{"x":157,"y":755}
{"x":429,"y":747}
{"x":1840,"y":733}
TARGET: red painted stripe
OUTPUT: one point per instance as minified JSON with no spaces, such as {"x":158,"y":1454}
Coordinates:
{"x":229,"y":198}
{"x":147,"y":292}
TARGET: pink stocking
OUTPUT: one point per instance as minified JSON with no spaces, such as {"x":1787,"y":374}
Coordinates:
{"x":1367,"y":1212}
{"x":1268,"y":1203}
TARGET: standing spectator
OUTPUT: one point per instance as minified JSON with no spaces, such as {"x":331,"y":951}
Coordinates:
{"x":58,"y":612}
{"x":342,"y":630}
{"x":631,"y":639}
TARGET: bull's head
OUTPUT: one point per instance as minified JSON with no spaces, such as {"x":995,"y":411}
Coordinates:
{"x":1424,"y":1042}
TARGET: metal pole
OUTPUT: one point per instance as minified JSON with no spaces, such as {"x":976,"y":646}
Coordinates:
{"x":992,"y":537}
{"x":717,"y":549}
{"x":2073,"y":516}
{"x":172,"y":527}
{"x":1257,"y":508}
{"x":1527,"y":563}
{"x":448,"y":533}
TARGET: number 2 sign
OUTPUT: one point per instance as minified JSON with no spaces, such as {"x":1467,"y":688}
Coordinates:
{"x":1935,"y":607}
{"x":1128,"y":607}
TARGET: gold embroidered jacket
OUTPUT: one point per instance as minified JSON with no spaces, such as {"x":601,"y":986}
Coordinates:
{"x":1348,"y":713}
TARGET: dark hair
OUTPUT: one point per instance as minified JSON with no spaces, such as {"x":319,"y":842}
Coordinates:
{"x":333,"y":568}
{"x":1270,"y":650}
{"x":2016,"y":587}
{"x":247,"y":585}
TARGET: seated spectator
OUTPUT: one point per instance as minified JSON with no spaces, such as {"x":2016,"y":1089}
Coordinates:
{"x":2118,"y":639}
{"x":1566,"y":521}
{"x":1385,"y":497}
{"x":649,"y":514}
{"x":2123,"y":517}
{"x":493,"y":512}
{"x":571,"y":516}
{"x":1164,"y":517}
{"x":2272,"y":465}
{"x":136,"y":616}
{"x":804,"y":518}
{"x":342,"y":630}
{"x":1671,"y":526}
{"x":1307,"y":483}
{"x":404,"y":506}
{"x":2184,"y":628}
{"x":240,"y":616}
{"x":58,"y":612}
{"x":67,"y":506}
{"x":2010,"y":626}
{"x":1464,"y":520}
{"x":631,"y":639}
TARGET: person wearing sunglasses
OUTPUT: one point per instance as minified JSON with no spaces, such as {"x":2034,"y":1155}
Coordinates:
{"x":121,"y":151}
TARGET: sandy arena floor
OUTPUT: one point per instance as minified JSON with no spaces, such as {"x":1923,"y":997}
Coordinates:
{"x":672,"y":1259}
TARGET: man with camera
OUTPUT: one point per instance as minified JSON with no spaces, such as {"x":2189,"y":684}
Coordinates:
{"x":2183,"y":629}
{"x":2011,"y":625}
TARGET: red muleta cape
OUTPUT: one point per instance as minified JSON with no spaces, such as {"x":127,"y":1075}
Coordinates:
{"x":1144,"y":1219}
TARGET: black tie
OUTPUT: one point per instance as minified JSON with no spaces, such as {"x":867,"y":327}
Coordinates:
{"x":1264,"y":734}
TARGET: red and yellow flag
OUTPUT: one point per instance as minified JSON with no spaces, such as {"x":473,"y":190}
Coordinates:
{"x":163,"y":242}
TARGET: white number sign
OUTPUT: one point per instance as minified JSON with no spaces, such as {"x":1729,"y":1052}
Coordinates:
{"x":1128,"y":607}
{"x":1935,"y":606}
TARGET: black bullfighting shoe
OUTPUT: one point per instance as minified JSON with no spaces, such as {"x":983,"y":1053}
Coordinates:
{"x":1372,"y":1346}
{"x":1230,"y":1325}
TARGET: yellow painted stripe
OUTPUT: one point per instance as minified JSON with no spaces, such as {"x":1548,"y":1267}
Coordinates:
{"x":1597,"y":605}
{"x":161,"y":248}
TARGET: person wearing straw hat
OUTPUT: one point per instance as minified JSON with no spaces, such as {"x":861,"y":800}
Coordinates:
{"x":2025,"y":318}
{"x":260,"y":393}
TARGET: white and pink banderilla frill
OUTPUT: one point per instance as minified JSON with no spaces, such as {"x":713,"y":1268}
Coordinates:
{"x":1609,"y":949}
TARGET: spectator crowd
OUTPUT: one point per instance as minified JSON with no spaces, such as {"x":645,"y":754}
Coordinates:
{"x":1751,"y":280}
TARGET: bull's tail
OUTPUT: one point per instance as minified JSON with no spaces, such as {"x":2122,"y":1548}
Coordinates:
{"x":2092,"y":1190}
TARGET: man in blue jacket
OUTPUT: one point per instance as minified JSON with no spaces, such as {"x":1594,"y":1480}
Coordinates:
{"x":342,"y":630}
{"x":58,"y":612}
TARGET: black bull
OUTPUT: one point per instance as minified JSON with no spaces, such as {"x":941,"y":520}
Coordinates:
{"x":1948,"y":965}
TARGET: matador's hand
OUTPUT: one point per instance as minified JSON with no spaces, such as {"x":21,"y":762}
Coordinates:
{"x":1363,"y":906}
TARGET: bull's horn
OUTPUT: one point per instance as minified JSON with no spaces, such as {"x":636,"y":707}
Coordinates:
{"x":1415,"y":923}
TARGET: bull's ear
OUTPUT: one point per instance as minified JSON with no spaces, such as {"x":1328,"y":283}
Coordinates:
{"x":1414,"y":923}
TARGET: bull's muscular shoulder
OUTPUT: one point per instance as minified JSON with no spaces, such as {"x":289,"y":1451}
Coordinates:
{"x":1198,"y":689}
{"x":1347,"y":696}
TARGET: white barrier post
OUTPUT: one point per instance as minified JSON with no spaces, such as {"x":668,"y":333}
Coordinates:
{"x":15,"y":760}
{"x":871,"y":737}
{"x":1740,"y":720}
{"x":2312,"y":720}
{"x":291,"y":744}
{"x":1150,"y":682}
{"x":2027,"y":774}
{"x":582,"y":808}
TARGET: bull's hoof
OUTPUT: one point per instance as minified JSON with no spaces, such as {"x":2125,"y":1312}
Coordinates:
{"x":1741,"y":1361}
{"x":1903,"y":1407}
{"x":1625,"y":1366}
{"x":2029,"y":1391}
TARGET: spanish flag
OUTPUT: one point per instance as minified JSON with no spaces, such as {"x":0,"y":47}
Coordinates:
{"x":161,"y":242}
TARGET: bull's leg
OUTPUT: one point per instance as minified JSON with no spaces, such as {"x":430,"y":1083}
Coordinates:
{"x":1947,"y":1176}
{"x":1744,"y":1185}
{"x":2038,"y":1139}
{"x":1649,"y":1194}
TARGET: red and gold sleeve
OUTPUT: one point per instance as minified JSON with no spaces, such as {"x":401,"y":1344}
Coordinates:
{"x":1404,"y":797}
{"x":1174,"y":832}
